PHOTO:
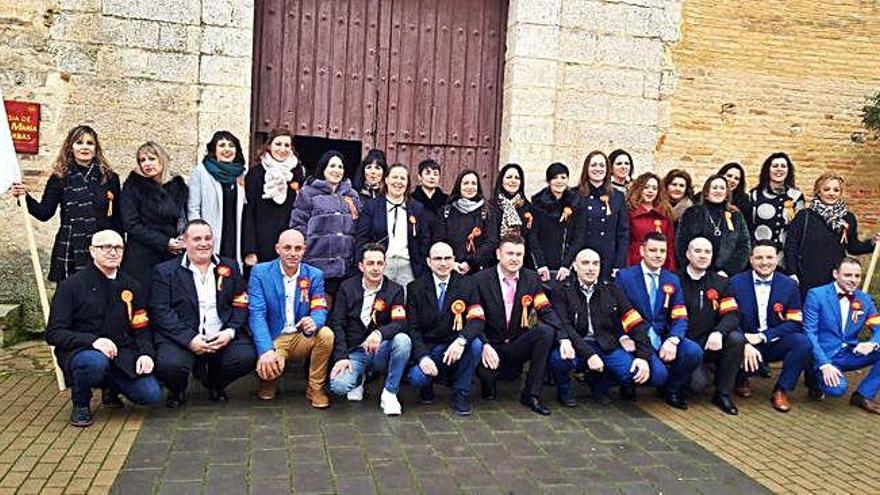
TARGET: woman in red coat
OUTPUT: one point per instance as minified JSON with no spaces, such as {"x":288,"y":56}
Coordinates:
{"x":649,"y":211}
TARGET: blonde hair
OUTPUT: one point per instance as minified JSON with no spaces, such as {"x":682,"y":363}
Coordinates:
{"x":822,"y":179}
{"x":65,"y":154}
{"x":151,"y":148}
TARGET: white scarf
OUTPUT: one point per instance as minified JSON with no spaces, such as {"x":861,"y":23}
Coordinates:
{"x":278,"y":174}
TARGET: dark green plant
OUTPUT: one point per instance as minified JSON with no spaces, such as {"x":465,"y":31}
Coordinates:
{"x":871,"y":113}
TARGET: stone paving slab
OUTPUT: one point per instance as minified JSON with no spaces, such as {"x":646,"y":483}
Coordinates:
{"x":285,"y":446}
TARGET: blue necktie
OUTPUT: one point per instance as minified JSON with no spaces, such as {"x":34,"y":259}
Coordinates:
{"x":441,"y":296}
{"x":652,"y":299}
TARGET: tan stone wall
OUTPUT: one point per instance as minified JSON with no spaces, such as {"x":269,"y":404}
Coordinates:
{"x":757,"y":77}
{"x":172,"y":71}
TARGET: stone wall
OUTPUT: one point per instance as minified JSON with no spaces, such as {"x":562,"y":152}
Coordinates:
{"x":172,"y":71}
{"x":758,"y":77}
{"x":583,"y":75}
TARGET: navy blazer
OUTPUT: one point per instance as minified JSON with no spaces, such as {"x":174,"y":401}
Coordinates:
{"x":174,"y":302}
{"x":604,"y":227}
{"x":783,"y":310}
{"x":668,"y":320}
{"x":429,"y":326}
{"x":372,"y":226}
{"x":822,"y":321}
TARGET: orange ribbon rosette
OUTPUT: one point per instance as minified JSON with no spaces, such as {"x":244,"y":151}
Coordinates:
{"x":668,"y":290}
{"x":110,"y":203}
{"x":304,"y":286}
{"x":378,"y":306}
{"x":412,"y":221}
{"x":728,"y":216}
{"x":222,"y":272}
{"x":856,"y":310}
{"x":566,"y":213}
{"x":789,"y":210}
{"x":604,"y":198}
{"x":471,"y":240}
{"x":351,"y":207}
{"x":529,"y":218}
{"x":294,"y":186}
{"x":526,"y":303}
{"x":127,"y":297}
{"x":458,"y":307}
{"x":657,"y":224}
{"x":712,"y":295}
{"x":778,"y":308}
{"x":844,"y":233}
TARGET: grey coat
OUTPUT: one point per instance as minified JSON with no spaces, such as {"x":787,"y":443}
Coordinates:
{"x":206,"y":202}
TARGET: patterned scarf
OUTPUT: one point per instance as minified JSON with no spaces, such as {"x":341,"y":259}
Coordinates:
{"x":510,"y":220}
{"x":278,"y":174}
{"x":832,"y":214}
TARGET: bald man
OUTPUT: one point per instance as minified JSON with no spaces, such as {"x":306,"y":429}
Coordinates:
{"x":99,"y":327}
{"x":288,"y":311}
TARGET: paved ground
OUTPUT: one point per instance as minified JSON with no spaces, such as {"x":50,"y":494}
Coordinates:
{"x":251,"y":446}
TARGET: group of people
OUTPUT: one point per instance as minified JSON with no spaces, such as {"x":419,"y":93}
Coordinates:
{"x":628,"y":281}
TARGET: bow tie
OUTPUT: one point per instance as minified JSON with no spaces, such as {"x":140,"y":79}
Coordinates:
{"x":759,"y":282}
{"x":843,"y":295}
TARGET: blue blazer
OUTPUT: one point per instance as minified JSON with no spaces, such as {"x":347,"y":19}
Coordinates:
{"x":822,"y":321}
{"x":372,"y":226}
{"x":266,"y":301}
{"x":784,"y":295}
{"x":667,"y":320}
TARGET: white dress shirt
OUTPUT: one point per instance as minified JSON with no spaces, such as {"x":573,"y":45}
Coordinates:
{"x":397,"y":232}
{"x":648,"y":282}
{"x":369,"y":299}
{"x":210,"y":323}
{"x":762,"y":297}
{"x":291,"y":292}
{"x":844,"y":308}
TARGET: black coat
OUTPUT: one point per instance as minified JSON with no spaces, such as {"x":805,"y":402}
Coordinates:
{"x":372,"y":226}
{"x":345,"y":319}
{"x":551,"y":241}
{"x":730,"y":250}
{"x":263,"y":220}
{"x":490,"y":297}
{"x":152,"y":214}
{"x":427,"y":326}
{"x":105,"y":210}
{"x":454,"y":228}
{"x":710,"y":306}
{"x":174,"y":302}
{"x":605,"y":232}
{"x":433,"y":206}
{"x":608,"y":310}
{"x":812,"y":249}
{"x":88,"y":306}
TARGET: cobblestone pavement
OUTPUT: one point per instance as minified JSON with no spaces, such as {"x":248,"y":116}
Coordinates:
{"x":248,"y":445}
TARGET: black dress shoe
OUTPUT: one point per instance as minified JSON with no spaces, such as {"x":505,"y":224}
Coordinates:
{"x":80,"y":416}
{"x":110,"y":399}
{"x":816,"y":393}
{"x":601,"y":398}
{"x":426,"y":394}
{"x":725,"y":404}
{"x":175,"y":399}
{"x":217,"y":395}
{"x":488,"y":390}
{"x":628,"y":393}
{"x":567,"y":400}
{"x":460,"y":403}
{"x":535,"y":404}
{"x":676,"y":400}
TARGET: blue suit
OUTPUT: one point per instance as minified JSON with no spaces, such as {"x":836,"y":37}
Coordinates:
{"x":266,"y":301}
{"x":785,"y":340}
{"x":834,"y":345}
{"x":667,"y":318}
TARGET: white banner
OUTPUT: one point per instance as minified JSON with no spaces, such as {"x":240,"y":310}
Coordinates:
{"x":9,"y":169}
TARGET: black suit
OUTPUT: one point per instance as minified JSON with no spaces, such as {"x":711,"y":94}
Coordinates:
{"x":174,"y":309}
{"x":345,"y":319}
{"x":514,"y":343}
{"x":429,"y":326}
{"x":711,"y":307}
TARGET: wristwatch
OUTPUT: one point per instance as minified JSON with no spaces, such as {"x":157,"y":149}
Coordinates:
{"x":674,"y":340}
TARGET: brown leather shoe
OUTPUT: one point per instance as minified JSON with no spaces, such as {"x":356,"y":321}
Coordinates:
{"x":267,"y":389}
{"x":865,"y":403}
{"x":743,"y":390}
{"x":780,"y":402}
{"x":318,"y":398}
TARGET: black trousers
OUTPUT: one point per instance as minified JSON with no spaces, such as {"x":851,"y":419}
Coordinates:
{"x":174,"y":363}
{"x":727,"y":364}
{"x":533,"y":346}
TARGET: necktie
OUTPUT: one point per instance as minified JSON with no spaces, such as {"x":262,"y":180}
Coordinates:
{"x":395,"y":207}
{"x":846,"y":296}
{"x":652,"y":298}
{"x":441,"y":296}
{"x":759,"y":282}
{"x":509,"y":296}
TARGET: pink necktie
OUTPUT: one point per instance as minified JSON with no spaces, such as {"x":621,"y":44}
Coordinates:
{"x":509,"y":296}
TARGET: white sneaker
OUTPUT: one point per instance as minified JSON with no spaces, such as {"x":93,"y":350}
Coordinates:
{"x":356,"y":394}
{"x":389,"y":403}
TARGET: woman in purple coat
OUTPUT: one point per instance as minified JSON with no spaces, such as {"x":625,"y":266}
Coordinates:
{"x":326,"y":211}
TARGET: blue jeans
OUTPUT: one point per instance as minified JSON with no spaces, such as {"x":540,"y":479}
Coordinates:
{"x":391,"y":356}
{"x":617,"y":371}
{"x":846,"y":360}
{"x":91,"y":369}
{"x":464,"y":369}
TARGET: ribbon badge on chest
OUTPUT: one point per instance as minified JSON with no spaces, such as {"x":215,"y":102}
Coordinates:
{"x":304,"y":285}
{"x":458,"y":307}
{"x":223,"y":272}
{"x":127,"y":297}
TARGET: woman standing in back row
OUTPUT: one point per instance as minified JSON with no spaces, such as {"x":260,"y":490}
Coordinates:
{"x":602,"y":221}
{"x":774,"y":202}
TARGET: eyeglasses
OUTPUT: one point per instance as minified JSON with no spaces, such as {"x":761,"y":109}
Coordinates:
{"x":107,"y":248}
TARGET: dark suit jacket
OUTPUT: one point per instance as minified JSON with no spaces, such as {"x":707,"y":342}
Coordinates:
{"x":611,"y":313}
{"x":174,"y":303}
{"x":88,"y":306}
{"x":710,"y":306}
{"x":372,"y":226}
{"x":428,"y":326}
{"x":345,"y":319}
{"x":490,"y":297}
{"x":784,"y":296}
{"x":668,"y":320}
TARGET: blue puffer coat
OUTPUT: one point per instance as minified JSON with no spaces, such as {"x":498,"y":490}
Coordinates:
{"x":327,"y":218}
